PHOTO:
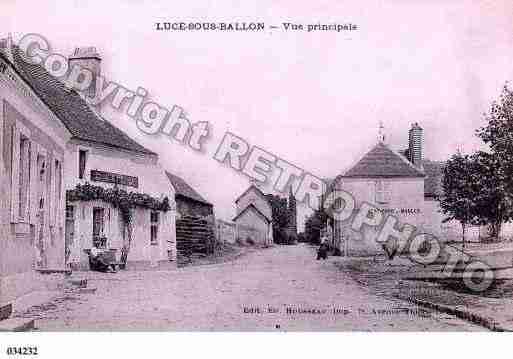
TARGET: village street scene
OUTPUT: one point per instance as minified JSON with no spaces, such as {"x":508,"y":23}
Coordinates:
{"x":106,"y":227}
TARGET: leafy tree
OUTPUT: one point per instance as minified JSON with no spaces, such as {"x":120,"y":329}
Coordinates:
{"x":280,"y":214}
{"x":491,"y":202}
{"x":498,"y":135}
{"x":474,"y":192}
{"x":458,"y":193}
{"x":314,"y":224}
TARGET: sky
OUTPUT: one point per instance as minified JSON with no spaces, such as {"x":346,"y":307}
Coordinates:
{"x":314,"y":99}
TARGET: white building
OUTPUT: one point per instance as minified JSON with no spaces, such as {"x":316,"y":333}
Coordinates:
{"x":402,"y":184}
{"x":32,"y":193}
{"x":253,"y":210}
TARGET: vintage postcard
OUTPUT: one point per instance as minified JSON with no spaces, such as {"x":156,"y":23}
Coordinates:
{"x":326,"y":166}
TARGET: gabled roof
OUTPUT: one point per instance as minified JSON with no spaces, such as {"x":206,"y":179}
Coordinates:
{"x":183,"y":189}
{"x":258,"y":190}
{"x":381,"y":161}
{"x":432,"y":182}
{"x":77,"y":116}
{"x":254,"y":208}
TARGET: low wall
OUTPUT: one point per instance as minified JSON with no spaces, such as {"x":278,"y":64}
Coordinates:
{"x":229,"y":232}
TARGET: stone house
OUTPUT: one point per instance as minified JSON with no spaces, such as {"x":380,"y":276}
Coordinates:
{"x":403,"y":184}
{"x":254,"y":211}
{"x":32,"y":159}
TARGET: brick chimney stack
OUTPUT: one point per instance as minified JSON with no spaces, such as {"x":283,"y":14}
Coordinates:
{"x":415,"y":144}
{"x":87,"y":57}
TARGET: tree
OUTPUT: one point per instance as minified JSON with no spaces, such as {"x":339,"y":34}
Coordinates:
{"x":498,"y":135}
{"x":314,"y":224}
{"x":474,"y":192}
{"x":280,"y":217}
{"x":492,"y":204}
{"x":458,"y":193}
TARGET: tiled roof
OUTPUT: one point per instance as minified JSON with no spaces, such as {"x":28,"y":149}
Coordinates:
{"x":432,"y":182}
{"x":381,"y":161}
{"x":82,"y":122}
{"x":183,"y":189}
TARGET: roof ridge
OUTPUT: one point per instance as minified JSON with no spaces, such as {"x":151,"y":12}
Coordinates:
{"x":178,"y":184}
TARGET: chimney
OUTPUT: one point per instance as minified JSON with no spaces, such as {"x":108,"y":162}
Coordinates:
{"x":87,"y":57}
{"x":415,"y":145}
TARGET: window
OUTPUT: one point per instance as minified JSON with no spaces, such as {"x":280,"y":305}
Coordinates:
{"x":382,"y":192}
{"x":82,"y":158}
{"x":58,"y":187}
{"x":24,"y":177}
{"x":154,"y":227}
{"x":99,"y":240}
{"x":41,"y":168}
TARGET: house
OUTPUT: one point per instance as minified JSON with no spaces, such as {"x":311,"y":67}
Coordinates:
{"x":97,"y":165}
{"x":188,"y":201}
{"x":403,"y":184}
{"x":254,"y":211}
{"x":101,"y":155}
{"x":32,"y":159}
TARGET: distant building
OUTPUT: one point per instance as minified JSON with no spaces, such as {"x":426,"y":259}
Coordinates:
{"x":253,"y":210}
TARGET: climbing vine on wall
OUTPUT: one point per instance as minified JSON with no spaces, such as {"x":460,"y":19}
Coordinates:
{"x":119,"y":198}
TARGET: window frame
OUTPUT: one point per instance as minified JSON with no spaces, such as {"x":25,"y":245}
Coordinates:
{"x":82,"y":171}
{"x":101,"y":230}
{"x":383,"y":193}
{"x":18,"y":134}
{"x":154,"y":227}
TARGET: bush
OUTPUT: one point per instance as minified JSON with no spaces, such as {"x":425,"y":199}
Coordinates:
{"x":250,"y":241}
